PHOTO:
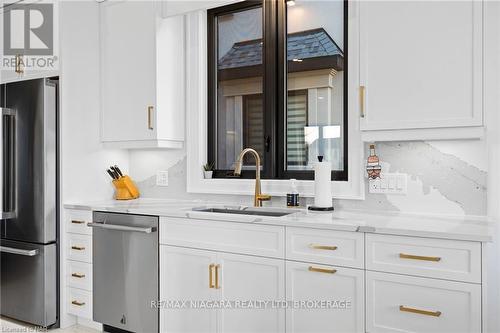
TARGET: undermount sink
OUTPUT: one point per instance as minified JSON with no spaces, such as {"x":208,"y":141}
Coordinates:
{"x":249,"y":211}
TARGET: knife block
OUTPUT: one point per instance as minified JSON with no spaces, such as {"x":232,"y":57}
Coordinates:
{"x":125,"y":189}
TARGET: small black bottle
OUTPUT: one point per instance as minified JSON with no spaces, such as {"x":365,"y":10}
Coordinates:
{"x":292,"y":198}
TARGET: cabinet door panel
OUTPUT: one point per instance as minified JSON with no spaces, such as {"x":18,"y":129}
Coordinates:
{"x":184,"y":276}
{"x":421,"y":64}
{"x":345,"y":285}
{"x":247,"y":278}
{"x":128,"y":70}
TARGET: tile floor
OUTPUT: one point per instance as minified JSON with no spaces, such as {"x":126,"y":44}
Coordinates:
{"x":9,"y":325}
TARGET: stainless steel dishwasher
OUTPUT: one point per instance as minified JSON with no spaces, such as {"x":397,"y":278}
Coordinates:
{"x":125,"y":272}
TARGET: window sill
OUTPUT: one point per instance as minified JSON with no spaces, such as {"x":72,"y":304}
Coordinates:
{"x":277,"y":188}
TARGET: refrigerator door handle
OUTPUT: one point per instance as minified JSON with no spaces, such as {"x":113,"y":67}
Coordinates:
{"x":7,"y":212}
{"x":13,"y":250}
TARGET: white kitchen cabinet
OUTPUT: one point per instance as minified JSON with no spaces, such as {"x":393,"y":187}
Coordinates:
{"x":242,"y":238}
{"x":142,"y":76}
{"x":399,"y":303}
{"x":33,"y":66}
{"x":332,"y":281}
{"x":11,"y":74}
{"x":199,"y":275}
{"x":184,"y":276}
{"x":436,"y":258}
{"x":420,"y":69}
{"x":342,"y":287}
{"x":249,"y":278}
{"x":76,"y":267}
{"x":173,"y":8}
{"x":330,"y":247}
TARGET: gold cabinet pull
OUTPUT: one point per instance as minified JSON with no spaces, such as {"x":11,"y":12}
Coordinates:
{"x":210,"y":276}
{"x":150,"y":117}
{"x":414,"y":257}
{"x":418,"y":311}
{"x":77,"y":222}
{"x":322,"y":270}
{"x":78,"y":303}
{"x":78,"y":248}
{"x":19,"y":65}
{"x":323,"y":247}
{"x":78,"y":275}
{"x":217,"y":286}
{"x":362,"y":101}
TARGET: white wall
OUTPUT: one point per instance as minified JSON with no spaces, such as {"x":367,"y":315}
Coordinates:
{"x":84,"y":161}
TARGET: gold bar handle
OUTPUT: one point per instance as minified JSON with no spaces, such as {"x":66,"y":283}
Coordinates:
{"x":322,"y":270}
{"x":414,"y":257}
{"x":323,"y":247}
{"x":217,"y":286}
{"x":210,"y":276}
{"x":19,"y":66}
{"x":78,"y":303}
{"x":78,"y":248}
{"x":150,"y":117}
{"x":362,"y":101}
{"x":77,"y":222}
{"x":78,"y":275}
{"x":403,"y":308}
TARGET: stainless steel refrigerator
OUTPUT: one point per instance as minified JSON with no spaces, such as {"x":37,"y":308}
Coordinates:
{"x":28,"y":199}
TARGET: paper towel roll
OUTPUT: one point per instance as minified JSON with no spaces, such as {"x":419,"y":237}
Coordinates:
{"x":322,"y":185}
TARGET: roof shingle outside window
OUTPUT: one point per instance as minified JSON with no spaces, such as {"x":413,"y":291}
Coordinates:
{"x":301,"y":45}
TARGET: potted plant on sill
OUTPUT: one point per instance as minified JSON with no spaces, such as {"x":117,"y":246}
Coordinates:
{"x":208,"y":170}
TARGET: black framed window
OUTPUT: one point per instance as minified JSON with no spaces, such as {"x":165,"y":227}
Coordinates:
{"x":277,"y":82}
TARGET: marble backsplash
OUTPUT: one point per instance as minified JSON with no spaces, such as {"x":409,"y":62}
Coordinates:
{"x":439,"y":182}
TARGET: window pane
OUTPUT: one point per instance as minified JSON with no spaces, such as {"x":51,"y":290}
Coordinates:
{"x":240,"y":113}
{"x":315,"y":83}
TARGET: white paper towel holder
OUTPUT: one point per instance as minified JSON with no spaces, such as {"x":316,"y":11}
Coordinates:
{"x":320,"y":209}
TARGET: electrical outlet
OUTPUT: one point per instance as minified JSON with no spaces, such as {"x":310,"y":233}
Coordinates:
{"x":389,"y":183}
{"x":162,"y":178}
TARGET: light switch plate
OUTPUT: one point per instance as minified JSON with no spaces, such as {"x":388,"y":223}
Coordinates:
{"x":389,"y":183}
{"x":162,"y":178}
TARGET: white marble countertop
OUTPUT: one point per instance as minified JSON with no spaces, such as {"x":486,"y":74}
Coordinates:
{"x":459,"y":228}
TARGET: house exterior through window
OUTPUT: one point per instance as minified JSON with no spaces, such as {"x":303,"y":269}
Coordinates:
{"x":310,"y":120}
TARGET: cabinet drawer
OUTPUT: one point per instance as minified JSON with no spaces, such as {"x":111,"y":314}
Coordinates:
{"x":244,"y":238}
{"x":325,"y":246}
{"x":397,"y":303}
{"x":79,"y":302}
{"x":313,"y":283}
{"x":79,"y":275}
{"x":76,"y":221}
{"x":79,"y":247}
{"x":438,"y":258}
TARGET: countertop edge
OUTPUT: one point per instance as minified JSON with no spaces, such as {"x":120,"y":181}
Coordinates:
{"x":350,"y":225}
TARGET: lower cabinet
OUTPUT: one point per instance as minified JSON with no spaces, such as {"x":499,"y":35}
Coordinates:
{"x":398,"y":303}
{"x":207,"y":291}
{"x":78,"y":263}
{"x":185,"y":275}
{"x":391,"y":283}
{"x":248,"y":278}
{"x":332,"y":298}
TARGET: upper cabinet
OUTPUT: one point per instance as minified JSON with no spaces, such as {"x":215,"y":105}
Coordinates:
{"x":142,"y":76}
{"x":420,"y":70}
{"x":34,"y":57}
